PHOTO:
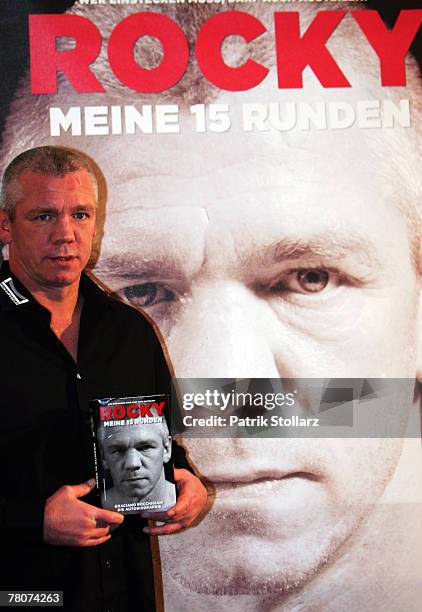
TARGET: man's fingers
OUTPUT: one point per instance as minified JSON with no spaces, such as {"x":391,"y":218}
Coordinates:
{"x":100,"y":532}
{"x":191,"y":502}
{"x":100,"y":516}
{"x":80,"y":490}
{"x":95,"y":536}
{"x":94,"y":541}
{"x":163,"y":529}
{"x":69,"y":521}
{"x":180,"y":509}
{"x":108,"y":517}
{"x":165,"y":517}
{"x":176,"y":513}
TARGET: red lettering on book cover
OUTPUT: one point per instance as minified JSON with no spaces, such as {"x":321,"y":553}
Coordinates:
{"x":133,"y":411}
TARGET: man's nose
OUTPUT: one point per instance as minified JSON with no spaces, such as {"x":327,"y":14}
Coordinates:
{"x":63,"y":231}
{"x":224,"y":331}
{"x":133,"y":460}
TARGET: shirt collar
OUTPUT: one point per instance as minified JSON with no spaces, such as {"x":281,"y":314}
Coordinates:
{"x":13,"y":294}
{"x":92,"y":290}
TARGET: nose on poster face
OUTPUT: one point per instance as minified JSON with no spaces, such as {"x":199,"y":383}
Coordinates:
{"x":222,"y":332}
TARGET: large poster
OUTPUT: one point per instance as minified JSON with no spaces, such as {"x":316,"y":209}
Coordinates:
{"x":261,"y":201}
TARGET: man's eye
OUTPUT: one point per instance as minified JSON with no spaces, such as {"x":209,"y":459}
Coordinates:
{"x":144,"y":448}
{"x":43,"y":217}
{"x":306,"y":280}
{"x":147,"y":294}
{"x":312,"y":281}
{"x":80,"y":215}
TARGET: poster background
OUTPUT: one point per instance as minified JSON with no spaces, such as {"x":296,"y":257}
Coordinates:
{"x":14,"y":54}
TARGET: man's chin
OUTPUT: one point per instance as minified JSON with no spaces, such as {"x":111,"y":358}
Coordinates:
{"x":62,"y":274}
{"x":134,"y":494}
{"x":244,"y":579}
{"x":62,"y":279}
{"x":60,"y":283}
{"x":235,"y":564}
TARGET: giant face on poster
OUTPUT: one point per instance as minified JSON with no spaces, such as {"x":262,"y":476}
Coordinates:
{"x":262,"y":204}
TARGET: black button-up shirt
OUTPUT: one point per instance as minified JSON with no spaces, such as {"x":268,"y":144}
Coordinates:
{"x":45,"y":442}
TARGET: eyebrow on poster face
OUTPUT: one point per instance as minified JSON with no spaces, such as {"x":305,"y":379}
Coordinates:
{"x":124,"y":266}
{"x":320,"y":249}
{"x":325,"y":246}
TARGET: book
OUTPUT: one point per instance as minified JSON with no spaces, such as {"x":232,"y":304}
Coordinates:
{"x":132,"y":453}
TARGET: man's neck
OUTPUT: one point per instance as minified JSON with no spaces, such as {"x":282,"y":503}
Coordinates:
{"x":62,"y":302}
{"x":64,"y":305}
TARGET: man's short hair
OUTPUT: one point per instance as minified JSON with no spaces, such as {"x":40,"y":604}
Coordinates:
{"x":48,"y":160}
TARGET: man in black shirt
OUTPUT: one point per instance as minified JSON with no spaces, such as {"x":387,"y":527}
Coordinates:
{"x":65,"y":341}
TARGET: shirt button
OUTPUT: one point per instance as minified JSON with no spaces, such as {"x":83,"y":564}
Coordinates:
{"x":108,"y":564}
{"x":78,"y":376}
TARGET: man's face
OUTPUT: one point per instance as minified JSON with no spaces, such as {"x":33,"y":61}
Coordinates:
{"x":135,"y":456}
{"x":51,"y":235}
{"x":267,"y":255}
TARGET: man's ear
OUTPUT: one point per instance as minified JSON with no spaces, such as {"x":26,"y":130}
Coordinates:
{"x":167,"y":449}
{"x":5,"y":233}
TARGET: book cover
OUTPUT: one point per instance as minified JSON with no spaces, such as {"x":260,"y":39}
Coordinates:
{"x":132,"y":453}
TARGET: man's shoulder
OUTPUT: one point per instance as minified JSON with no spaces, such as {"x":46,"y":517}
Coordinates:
{"x":128,"y":312}
{"x":121,"y":311}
